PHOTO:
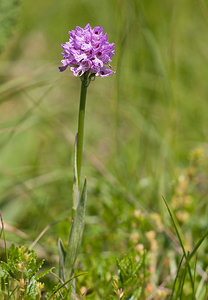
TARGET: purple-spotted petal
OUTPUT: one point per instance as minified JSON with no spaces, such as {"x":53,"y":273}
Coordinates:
{"x":98,"y":30}
{"x":104,"y":72}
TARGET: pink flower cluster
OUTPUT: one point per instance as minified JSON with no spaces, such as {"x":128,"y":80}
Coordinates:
{"x":88,"y":49}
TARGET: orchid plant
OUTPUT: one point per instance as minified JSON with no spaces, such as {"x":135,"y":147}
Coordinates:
{"x":88,"y":54}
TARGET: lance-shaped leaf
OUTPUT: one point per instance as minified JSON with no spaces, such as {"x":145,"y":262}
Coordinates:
{"x":62,"y":255}
{"x":76,"y":233}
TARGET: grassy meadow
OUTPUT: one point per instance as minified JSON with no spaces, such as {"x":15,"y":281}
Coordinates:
{"x":145,"y":145}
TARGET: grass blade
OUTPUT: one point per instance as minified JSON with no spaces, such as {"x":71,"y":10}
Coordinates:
{"x":181,"y":243}
{"x":198,"y":244}
{"x":177,"y":275}
{"x":182,"y":281}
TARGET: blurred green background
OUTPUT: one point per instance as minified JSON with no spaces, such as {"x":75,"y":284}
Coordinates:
{"x":141,"y":123}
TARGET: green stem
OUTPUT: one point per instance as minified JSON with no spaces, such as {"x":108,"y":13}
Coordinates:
{"x":80,"y":135}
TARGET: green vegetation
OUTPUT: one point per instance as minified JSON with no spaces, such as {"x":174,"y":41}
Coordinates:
{"x":145,"y":152}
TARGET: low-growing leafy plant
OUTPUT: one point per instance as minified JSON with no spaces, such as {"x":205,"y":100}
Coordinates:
{"x":20,"y":275}
{"x":132,"y":276}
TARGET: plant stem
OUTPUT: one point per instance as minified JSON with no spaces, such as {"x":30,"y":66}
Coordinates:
{"x":80,"y":135}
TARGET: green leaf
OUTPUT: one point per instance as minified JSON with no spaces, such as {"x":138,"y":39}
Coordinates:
{"x":62,"y":255}
{"x":76,"y":233}
{"x":32,"y":287}
{"x":8,"y":16}
{"x":4,"y":270}
{"x":44,"y":273}
{"x":32,"y":267}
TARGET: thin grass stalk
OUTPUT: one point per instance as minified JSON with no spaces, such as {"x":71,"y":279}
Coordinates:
{"x":195,"y":263}
{"x":177,"y":275}
{"x":198,"y":244}
{"x":65,"y":283}
{"x":144,"y":274}
{"x":181,"y":243}
{"x":206,"y":291}
{"x":182,"y":282}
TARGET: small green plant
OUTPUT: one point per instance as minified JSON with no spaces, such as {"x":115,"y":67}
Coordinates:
{"x":132,"y":275}
{"x":20,"y":276}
